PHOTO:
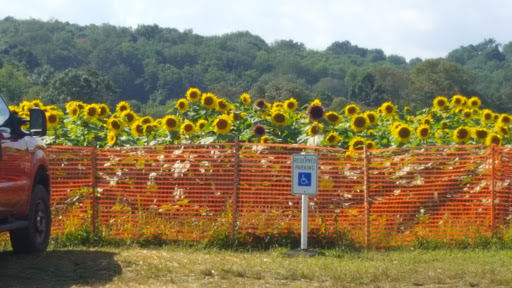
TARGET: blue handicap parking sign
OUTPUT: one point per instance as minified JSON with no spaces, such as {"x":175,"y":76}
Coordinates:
{"x":304,"y":179}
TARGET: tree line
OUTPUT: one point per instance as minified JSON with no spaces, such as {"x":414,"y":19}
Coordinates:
{"x":149,"y":66}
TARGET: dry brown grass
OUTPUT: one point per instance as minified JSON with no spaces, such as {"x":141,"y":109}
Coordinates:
{"x":185,"y":267}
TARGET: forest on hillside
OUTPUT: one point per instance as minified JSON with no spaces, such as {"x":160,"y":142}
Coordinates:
{"x":149,"y":66}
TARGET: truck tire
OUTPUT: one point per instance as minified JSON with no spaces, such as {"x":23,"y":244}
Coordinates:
{"x":36,"y":236}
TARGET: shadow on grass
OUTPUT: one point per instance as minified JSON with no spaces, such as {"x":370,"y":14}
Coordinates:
{"x":58,"y":268}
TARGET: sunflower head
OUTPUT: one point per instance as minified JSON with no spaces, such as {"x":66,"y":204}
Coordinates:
{"x":67,"y":106}
{"x":315,"y":112}
{"x":170,"y":123}
{"x":104,"y":111}
{"x":182,"y":105}
{"x":37,"y":103}
{"x":277,"y":106}
{"x":222,"y":105}
{"x":265,"y":139}
{"x":403,"y":133}
{"x":146,"y":120}
{"x":440,"y":102}
{"x":388,"y":109}
{"x":187,"y":128}
{"x":370,"y":144}
{"x":150,"y":129}
{"x":291,"y":104}
{"x":502,"y":130}
{"x":395,"y":126}
{"x":129,"y":116}
{"x":462,"y":134}
{"x":351,"y":110}
{"x":372,"y":117}
{"x":487,"y":116}
{"x":137,"y":129}
{"x":259,"y":130}
{"x":480,"y":134}
{"x":245,"y":98}
{"x":260,"y":104}
{"x":52,"y":119}
{"x":357,"y":143}
{"x":467,"y":114}
{"x":122,"y":106}
{"x":25,"y":106}
{"x":427,"y":120}
{"x":208,"y":100}
{"x":115,"y":124}
{"x":505,"y":119}
{"x":81,"y":106}
{"x":237,"y":116}
{"x":423,"y":132}
{"x":458,"y":101}
{"x":474,"y":102}
{"x":111,"y":138}
{"x":14,"y":109}
{"x":359,"y":123}
{"x":333,"y":118}
{"x":193,"y":94}
{"x":493,"y":139}
{"x":441,"y":135}
{"x":333,"y":138}
{"x":73,"y":111}
{"x":315,"y":128}
{"x":222,"y":125}
{"x":91,"y":111}
{"x":201,"y":124}
{"x":350,"y":155}
{"x":407,"y":109}
{"x":279,"y":118}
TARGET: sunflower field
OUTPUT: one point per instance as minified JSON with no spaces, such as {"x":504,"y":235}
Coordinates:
{"x":206,"y":118}
{"x":144,"y":187}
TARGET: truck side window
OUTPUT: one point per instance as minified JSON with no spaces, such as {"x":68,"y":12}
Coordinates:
{"x":4,"y":113}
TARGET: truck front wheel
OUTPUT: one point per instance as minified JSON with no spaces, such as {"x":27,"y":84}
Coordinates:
{"x":35,"y":237}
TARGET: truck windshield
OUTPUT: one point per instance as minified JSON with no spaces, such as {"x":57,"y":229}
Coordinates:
{"x":4,"y":111}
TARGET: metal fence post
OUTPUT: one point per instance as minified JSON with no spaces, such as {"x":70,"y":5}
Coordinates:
{"x":493,"y":190}
{"x":94,"y":187}
{"x":367,"y":223}
{"x":236,"y":188}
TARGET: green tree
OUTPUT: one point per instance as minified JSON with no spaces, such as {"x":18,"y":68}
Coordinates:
{"x":20,"y":56}
{"x":435,"y":77}
{"x":366,"y":91}
{"x":279,"y":88}
{"x":395,"y":83}
{"x":333,"y":86}
{"x":345,"y":48}
{"x":82,"y":85}
{"x":14,"y":83}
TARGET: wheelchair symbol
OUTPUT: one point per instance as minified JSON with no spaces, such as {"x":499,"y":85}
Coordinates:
{"x":304,"y":179}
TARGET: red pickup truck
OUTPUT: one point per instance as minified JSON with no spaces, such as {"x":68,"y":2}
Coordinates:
{"x":24,"y":181}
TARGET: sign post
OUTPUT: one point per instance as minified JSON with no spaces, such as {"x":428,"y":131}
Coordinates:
{"x":304,"y":183}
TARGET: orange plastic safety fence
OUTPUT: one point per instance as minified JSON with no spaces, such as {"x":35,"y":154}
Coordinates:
{"x":377,"y":198}
{"x":434,"y":193}
{"x":71,"y":171}
{"x":266,"y":204}
{"x":174,"y":192}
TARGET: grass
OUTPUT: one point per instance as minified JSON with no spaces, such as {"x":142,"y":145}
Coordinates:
{"x":172,"y":266}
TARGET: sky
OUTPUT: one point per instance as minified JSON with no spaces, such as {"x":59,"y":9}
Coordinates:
{"x":408,"y":28}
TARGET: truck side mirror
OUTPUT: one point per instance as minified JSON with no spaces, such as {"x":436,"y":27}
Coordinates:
{"x":37,"y":122}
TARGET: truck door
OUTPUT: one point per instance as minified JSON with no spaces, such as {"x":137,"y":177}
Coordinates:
{"x":14,"y":166}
